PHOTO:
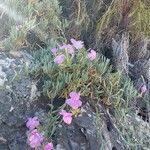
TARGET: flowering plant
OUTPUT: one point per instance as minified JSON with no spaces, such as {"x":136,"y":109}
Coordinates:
{"x":70,"y":71}
{"x":68,"y":67}
{"x":35,"y":138}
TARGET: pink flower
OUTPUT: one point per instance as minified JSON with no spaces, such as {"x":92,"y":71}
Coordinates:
{"x":67,"y":117}
{"x":75,"y":95}
{"x":91,"y":55}
{"x":69,"y":47}
{"x":75,"y":104}
{"x":54,"y":50}
{"x":144,"y":89}
{"x":35,"y":139}
{"x":49,"y":146}
{"x":59,"y":59}
{"x":74,"y":100}
{"x":77,"y":44}
{"x":32,"y":123}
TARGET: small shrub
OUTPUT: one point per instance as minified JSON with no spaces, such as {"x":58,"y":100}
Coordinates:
{"x":42,"y":17}
{"x":78,"y":72}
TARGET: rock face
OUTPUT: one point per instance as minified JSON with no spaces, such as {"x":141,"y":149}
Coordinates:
{"x":97,"y":129}
{"x":18,"y":101}
{"x":89,"y":131}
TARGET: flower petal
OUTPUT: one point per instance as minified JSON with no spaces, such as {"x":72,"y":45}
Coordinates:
{"x":59,"y":59}
{"x":49,"y":146}
{"x":35,"y":139}
{"x":67,"y":117}
{"x":91,"y":55}
{"x":54,"y":50}
{"x":75,"y":104}
{"x":144,"y":89}
{"x":77,"y":44}
{"x":75,"y":95}
{"x":32,"y":123}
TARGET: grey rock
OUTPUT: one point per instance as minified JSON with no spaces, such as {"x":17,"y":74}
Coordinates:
{"x":89,"y":133}
{"x":19,"y":100}
{"x":17,"y":94}
{"x":16,"y":137}
{"x":4,"y":147}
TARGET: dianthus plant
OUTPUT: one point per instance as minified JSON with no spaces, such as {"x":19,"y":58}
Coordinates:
{"x":66,"y":67}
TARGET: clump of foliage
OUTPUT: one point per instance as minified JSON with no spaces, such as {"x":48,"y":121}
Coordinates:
{"x":83,"y":16}
{"x":133,"y":16}
{"x":17,"y":36}
{"x":79,"y":19}
{"x":41,"y":17}
{"x":93,"y":79}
